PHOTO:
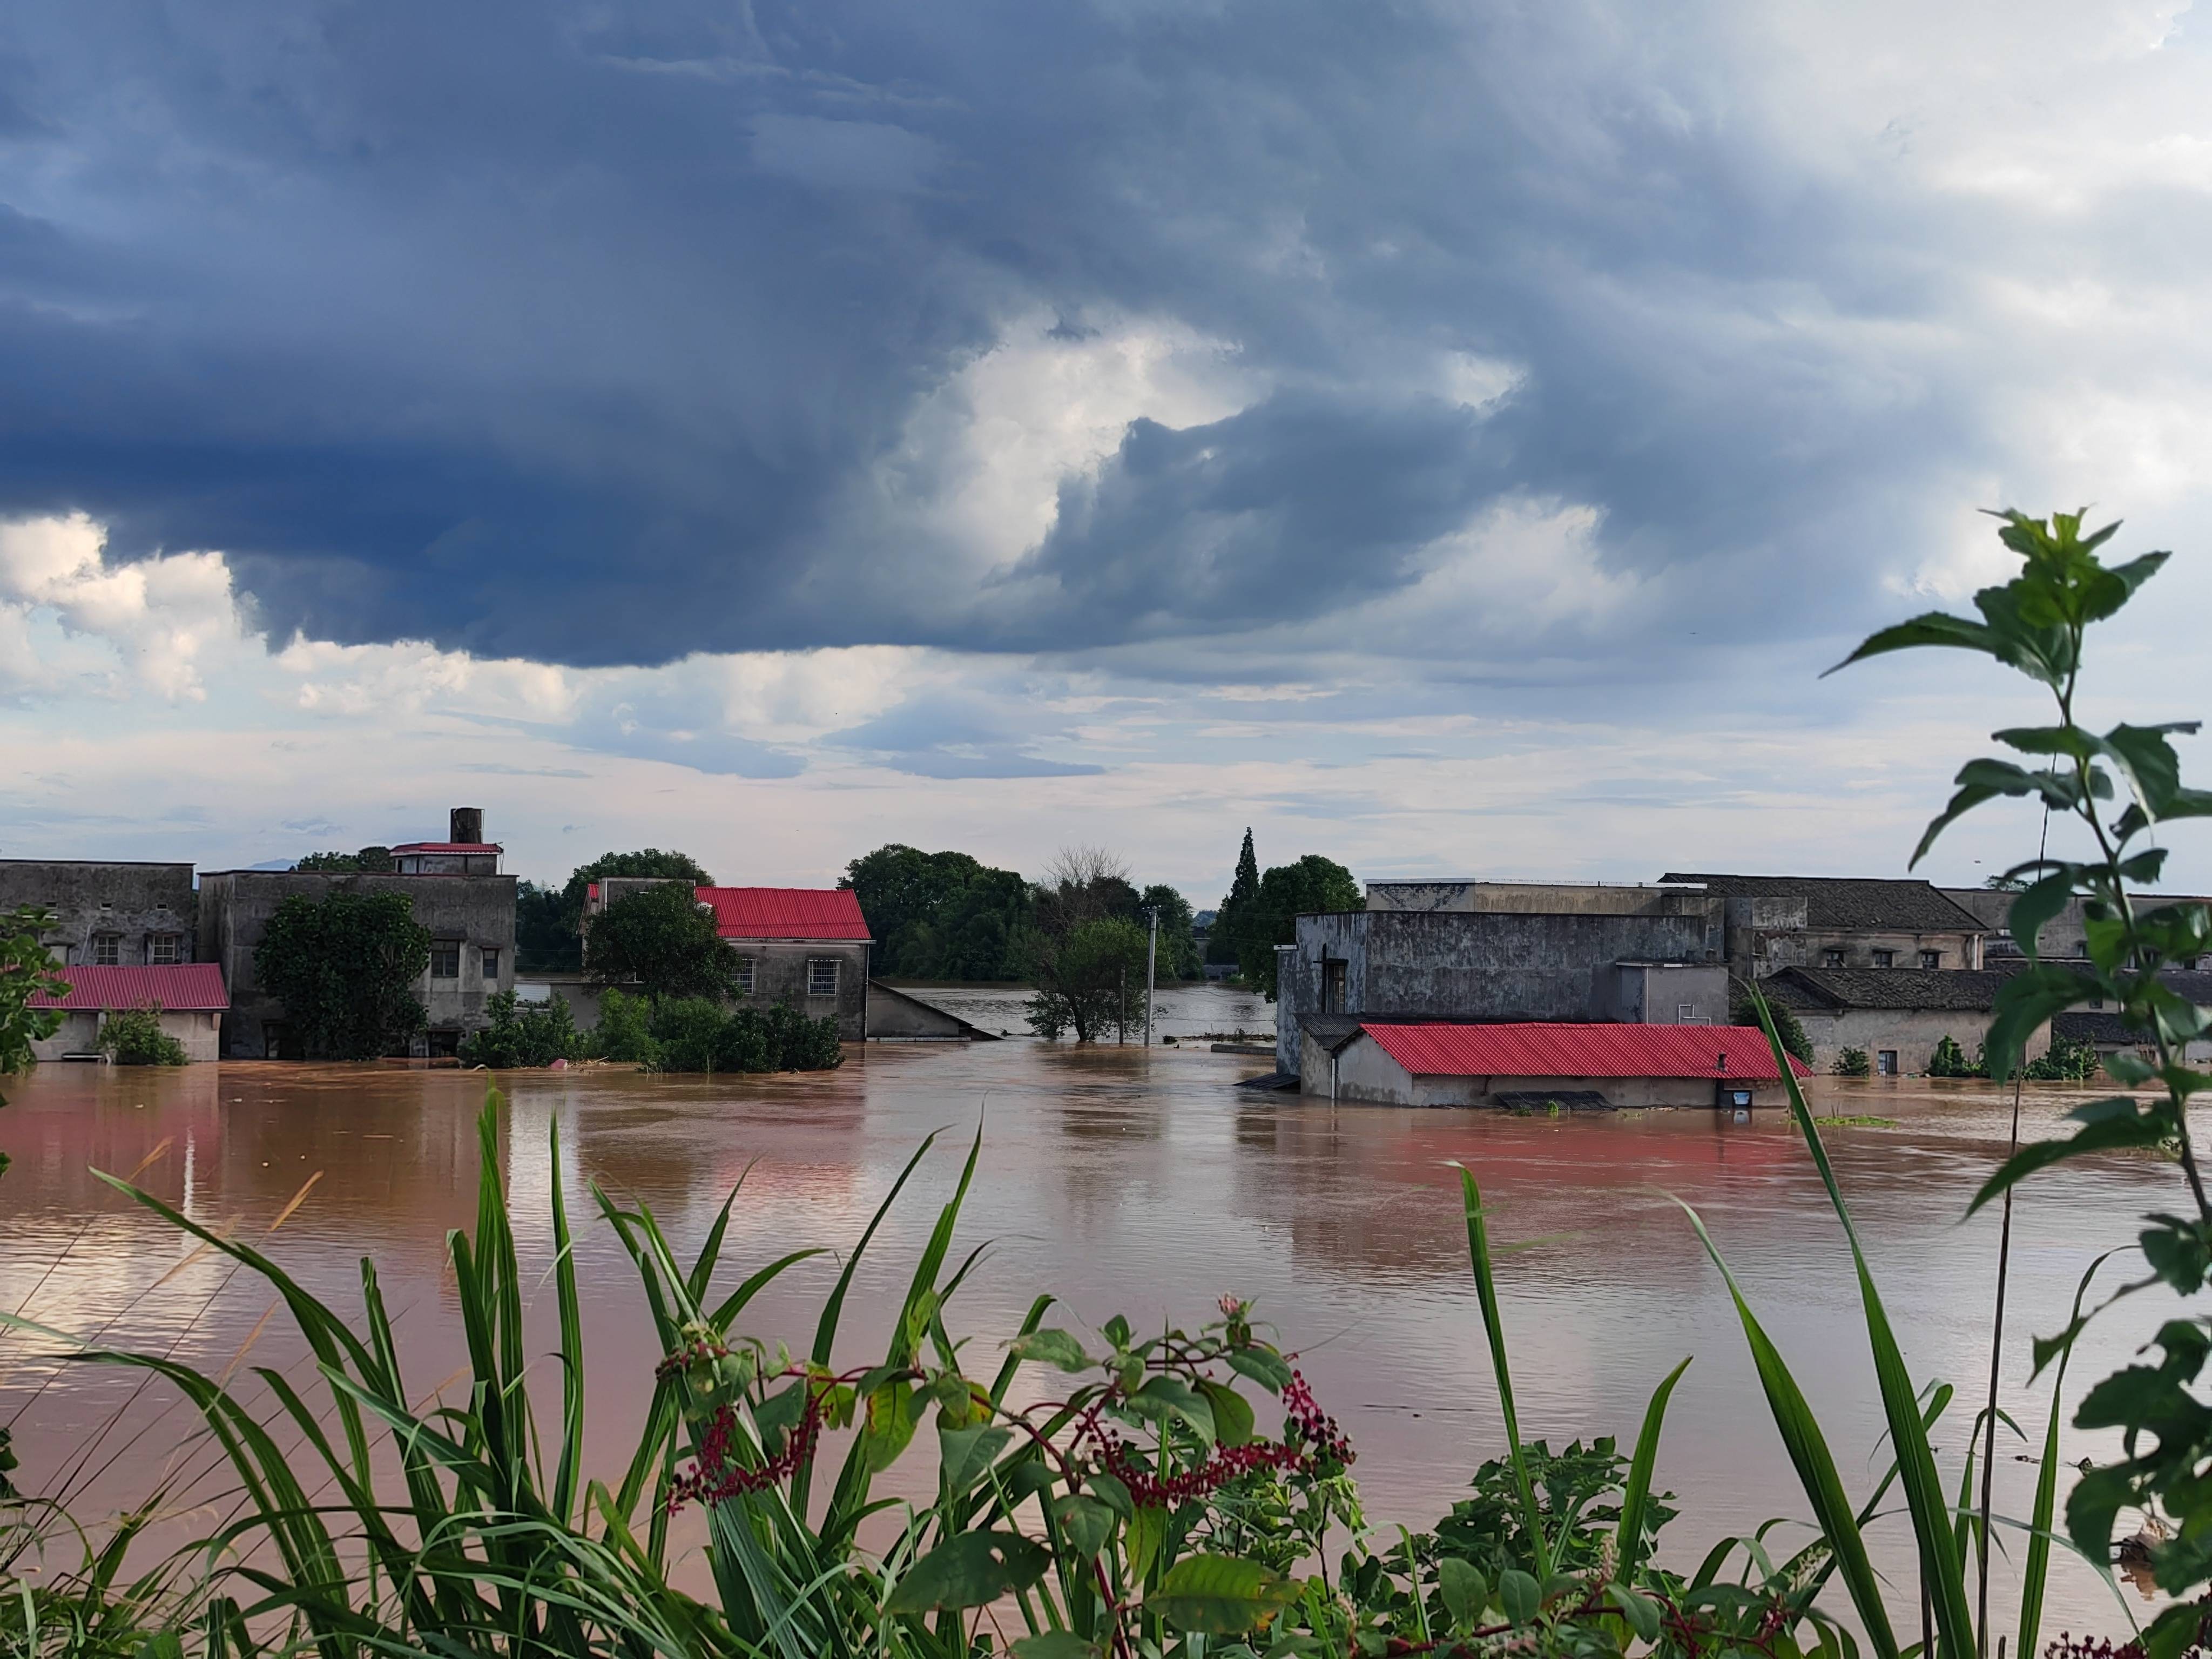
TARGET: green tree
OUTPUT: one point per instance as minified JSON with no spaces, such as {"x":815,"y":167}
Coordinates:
{"x":625,"y":1030}
{"x":939,"y":915}
{"x":696,"y":1034}
{"x":548,"y":921}
{"x":1178,"y":956}
{"x":1743,"y":1011}
{"x":1852,"y":1062}
{"x":369,"y":861}
{"x":1287,"y":892}
{"x":523,"y":1034}
{"x":661,"y":940}
{"x":134,"y":1036}
{"x":1243,"y":890}
{"x":345,"y":969}
{"x":1089,"y":979}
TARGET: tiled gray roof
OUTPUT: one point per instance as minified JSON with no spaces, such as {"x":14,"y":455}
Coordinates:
{"x":1846,"y":902}
{"x":1966,"y":990}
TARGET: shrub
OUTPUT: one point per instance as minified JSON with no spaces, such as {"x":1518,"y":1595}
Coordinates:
{"x":1949,"y":1060}
{"x":694,"y":1035}
{"x":134,"y":1036}
{"x":625,"y":1030}
{"x":1853,"y":1062}
{"x":2066,"y":1060}
{"x":523,"y":1034}
{"x":1743,"y":1009}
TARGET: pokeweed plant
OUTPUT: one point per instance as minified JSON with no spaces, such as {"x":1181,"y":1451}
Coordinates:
{"x":2116,"y":788}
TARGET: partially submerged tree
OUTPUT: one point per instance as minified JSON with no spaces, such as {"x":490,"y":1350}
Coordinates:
{"x":548,"y":921}
{"x":1287,"y":892}
{"x":1221,"y":943}
{"x":1091,"y":980}
{"x":1178,"y":956}
{"x":661,"y":940}
{"x":1743,"y":1011}
{"x":345,"y":968}
{"x":940,"y":915}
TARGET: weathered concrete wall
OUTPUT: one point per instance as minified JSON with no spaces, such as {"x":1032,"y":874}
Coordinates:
{"x":1336,"y":936}
{"x":136,"y":904}
{"x":1670,"y":993}
{"x":198,"y":1032}
{"x":1911,"y":1034}
{"x":583,"y":1001}
{"x":1363,"y":1072}
{"x":1511,"y":966}
{"x":780,"y":975}
{"x":1546,"y":898}
{"x":476,"y":913}
{"x":894,"y":1016}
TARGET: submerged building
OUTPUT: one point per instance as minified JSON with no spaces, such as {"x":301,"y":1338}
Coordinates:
{"x":455,"y":890}
{"x":1549,"y":1067}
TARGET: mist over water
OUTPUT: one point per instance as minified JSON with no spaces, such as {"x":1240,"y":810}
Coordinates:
{"x":1119,"y":1181}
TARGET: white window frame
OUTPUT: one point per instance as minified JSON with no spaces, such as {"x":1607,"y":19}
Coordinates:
{"x":815,"y":965}
{"x":157,"y":943}
{"x":745,"y":975}
{"x":106,"y":951}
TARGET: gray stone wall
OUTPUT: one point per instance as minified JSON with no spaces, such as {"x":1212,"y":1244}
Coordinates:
{"x":134,"y":903}
{"x":476,"y":912}
{"x":1512,"y":966}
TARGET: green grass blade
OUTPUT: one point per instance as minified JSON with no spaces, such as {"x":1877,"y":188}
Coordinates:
{"x":569,"y":1471}
{"x":1809,"y":1455}
{"x":734,"y":1304}
{"x":1485,"y":1290}
{"x":1636,"y":1499}
{"x":1942,"y":1566}
{"x":2035,"y":1571}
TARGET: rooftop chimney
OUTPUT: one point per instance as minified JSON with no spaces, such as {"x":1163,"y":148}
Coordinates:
{"x":466,"y":826}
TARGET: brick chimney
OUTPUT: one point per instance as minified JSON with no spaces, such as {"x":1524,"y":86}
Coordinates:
{"x":466,"y":826}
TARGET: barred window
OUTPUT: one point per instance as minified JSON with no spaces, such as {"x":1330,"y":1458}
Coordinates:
{"x":822,"y":976}
{"x":746,"y":975}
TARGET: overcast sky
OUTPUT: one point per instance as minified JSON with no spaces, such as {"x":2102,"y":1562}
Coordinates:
{"x":1449,"y":437}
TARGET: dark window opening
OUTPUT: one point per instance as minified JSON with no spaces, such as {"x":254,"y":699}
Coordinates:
{"x":1885,"y":958}
{"x":1333,"y":987}
{"x":445,"y":958}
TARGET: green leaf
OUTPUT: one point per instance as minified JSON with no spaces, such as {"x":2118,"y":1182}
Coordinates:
{"x":1113,"y":1495}
{"x":969,"y":1570}
{"x":965,"y":1453}
{"x":1637,"y":1496}
{"x":1055,"y":1644}
{"x":2022,"y":1004}
{"x":1084,"y":1523}
{"x":1936,"y":628}
{"x":1263,"y":1365}
{"x":889,"y":1424}
{"x":1641,"y":1611}
{"x":1219,"y":1595}
{"x":1148,"y":1529}
{"x":1981,"y":780}
{"x":1485,"y":1292}
{"x":2039,"y":905}
{"x":1166,"y":1396}
{"x":1232,"y":1414}
{"x":1465,"y":1591}
{"x":1517,"y":1593}
{"x":1051,"y":1347}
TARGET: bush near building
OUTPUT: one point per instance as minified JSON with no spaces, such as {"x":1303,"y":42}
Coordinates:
{"x":345,"y":968}
{"x":1853,"y":1062}
{"x":695,"y":1034}
{"x":523,"y":1034}
{"x":134,"y":1036}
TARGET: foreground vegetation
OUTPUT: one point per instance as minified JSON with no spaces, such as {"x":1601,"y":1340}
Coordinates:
{"x":1174,"y":1494}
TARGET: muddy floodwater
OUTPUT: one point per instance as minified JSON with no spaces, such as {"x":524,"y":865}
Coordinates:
{"x":1118,"y":1180}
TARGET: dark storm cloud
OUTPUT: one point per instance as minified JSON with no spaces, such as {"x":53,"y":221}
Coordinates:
{"x":584,"y":333}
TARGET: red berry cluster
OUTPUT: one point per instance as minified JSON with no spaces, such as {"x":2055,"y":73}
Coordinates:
{"x":1315,"y":1427}
{"x":714,"y":1479}
{"x":1149,"y":1490}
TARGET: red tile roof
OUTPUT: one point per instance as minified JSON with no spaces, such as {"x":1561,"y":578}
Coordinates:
{"x":820,"y":913}
{"x":448,"y":847}
{"x":1592,"y":1050}
{"x":186,"y":986}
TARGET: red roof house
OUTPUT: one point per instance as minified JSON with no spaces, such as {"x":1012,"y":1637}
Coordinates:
{"x":786,"y":913}
{"x":187,"y":987}
{"x":1436,"y":1063}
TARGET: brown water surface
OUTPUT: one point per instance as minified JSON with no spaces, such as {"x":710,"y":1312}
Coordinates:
{"x":1117,"y":1180}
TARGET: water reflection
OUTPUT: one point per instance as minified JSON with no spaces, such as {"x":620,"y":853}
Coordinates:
{"x":1121,"y":1182}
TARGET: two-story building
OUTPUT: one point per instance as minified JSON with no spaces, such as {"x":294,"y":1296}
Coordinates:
{"x":455,"y":890}
{"x":108,"y":913}
{"x":1775,"y":922}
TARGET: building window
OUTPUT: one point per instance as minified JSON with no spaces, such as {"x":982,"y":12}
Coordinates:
{"x":1885,"y":958}
{"x":445,"y":958}
{"x":490,"y":965}
{"x":165,"y":950}
{"x":1932,"y":958}
{"x":1831,"y":958}
{"x":107,"y":949}
{"x":1332,"y":987}
{"x":1885,"y":1062}
{"x":745,"y":976}
{"x":822,"y":976}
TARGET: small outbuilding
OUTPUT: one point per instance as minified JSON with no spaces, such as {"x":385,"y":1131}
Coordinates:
{"x":190,"y":996}
{"x":1530,"y":1066}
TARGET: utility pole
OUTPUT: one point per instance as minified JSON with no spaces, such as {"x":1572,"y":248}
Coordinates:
{"x":1152,"y":961}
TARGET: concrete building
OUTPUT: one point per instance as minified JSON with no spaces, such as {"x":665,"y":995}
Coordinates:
{"x":807,"y":946}
{"x":468,"y":907}
{"x":1897,"y":1015}
{"x":1546,"y":1066}
{"x":190,"y":996}
{"x":2062,"y":938}
{"x":1775,"y":922}
{"x":108,"y":915}
{"x":1466,"y":950}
